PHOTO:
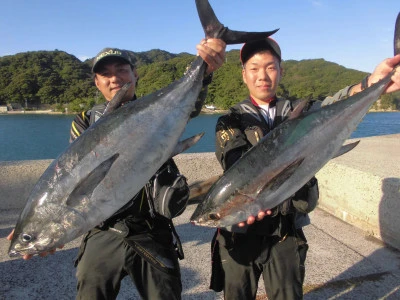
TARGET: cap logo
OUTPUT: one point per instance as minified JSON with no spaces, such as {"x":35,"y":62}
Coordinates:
{"x":109,"y":52}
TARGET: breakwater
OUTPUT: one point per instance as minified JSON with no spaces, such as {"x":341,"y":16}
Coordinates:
{"x":361,"y":187}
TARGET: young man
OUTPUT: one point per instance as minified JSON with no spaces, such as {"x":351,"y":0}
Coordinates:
{"x":271,"y":243}
{"x":134,"y":241}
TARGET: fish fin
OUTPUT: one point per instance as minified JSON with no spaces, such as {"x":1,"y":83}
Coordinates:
{"x":315,"y":106}
{"x":346,"y":148}
{"x":116,"y":101}
{"x":214,"y":29}
{"x":298,"y":110}
{"x":282,"y":176}
{"x":199,"y":189}
{"x":87,"y":185}
{"x":396,"y":40}
{"x":186,"y":144}
{"x":234,"y":207}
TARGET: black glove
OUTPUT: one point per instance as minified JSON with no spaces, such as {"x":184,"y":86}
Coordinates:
{"x":306,"y":199}
{"x":284,"y":208}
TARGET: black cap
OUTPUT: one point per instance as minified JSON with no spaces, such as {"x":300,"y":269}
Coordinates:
{"x":251,"y":48}
{"x":126,"y":55}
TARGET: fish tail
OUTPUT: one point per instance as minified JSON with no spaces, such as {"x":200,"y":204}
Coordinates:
{"x":397,"y":36}
{"x":214,"y":29}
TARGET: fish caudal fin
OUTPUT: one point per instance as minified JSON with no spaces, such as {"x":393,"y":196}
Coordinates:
{"x":214,"y":29}
{"x":396,"y":40}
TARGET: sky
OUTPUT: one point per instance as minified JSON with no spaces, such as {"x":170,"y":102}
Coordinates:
{"x":356,"y":34}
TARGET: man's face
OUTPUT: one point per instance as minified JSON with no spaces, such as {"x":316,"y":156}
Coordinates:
{"x":262,"y":74}
{"x":111,"y":76}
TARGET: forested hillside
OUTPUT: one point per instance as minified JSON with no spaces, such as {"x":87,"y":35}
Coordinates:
{"x":58,"y":79}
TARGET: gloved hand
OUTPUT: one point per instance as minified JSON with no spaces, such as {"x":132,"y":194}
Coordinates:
{"x":306,"y":199}
{"x":284,"y":208}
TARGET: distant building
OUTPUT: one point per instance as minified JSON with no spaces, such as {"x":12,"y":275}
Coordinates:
{"x":3,"y":109}
{"x":15,"y":106}
{"x":210,"y":107}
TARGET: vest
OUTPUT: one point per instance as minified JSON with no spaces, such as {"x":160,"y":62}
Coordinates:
{"x":96,"y":112}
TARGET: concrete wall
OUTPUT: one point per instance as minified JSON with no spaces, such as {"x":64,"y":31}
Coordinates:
{"x":361,"y":187}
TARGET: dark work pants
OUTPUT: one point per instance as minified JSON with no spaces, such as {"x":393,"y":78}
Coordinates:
{"x":107,"y":259}
{"x":244,"y":258}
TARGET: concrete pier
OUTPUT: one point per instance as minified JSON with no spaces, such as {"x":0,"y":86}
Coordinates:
{"x":354,"y":238}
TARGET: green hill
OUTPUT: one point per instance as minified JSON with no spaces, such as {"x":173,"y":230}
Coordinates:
{"x":58,"y":79}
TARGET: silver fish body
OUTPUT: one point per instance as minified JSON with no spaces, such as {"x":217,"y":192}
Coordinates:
{"x":113,"y":159}
{"x":286,"y":158}
{"x":283,"y":161}
{"x":105,"y":167}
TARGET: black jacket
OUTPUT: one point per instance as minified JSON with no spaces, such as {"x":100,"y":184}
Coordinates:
{"x":236,"y":133}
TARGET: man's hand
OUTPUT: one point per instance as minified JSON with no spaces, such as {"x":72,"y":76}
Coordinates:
{"x":212,"y":51}
{"x":29,"y":256}
{"x":383,"y":69}
{"x":259,"y":217}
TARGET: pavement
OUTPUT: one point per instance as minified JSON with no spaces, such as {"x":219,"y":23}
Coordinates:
{"x":342,"y":263}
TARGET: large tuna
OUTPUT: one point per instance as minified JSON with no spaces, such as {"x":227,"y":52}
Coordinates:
{"x":109,"y":163}
{"x":287,"y":158}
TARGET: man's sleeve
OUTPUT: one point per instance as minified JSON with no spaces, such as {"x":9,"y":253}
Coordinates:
{"x":79,"y":125}
{"x":339,"y":96}
{"x":230,"y":141}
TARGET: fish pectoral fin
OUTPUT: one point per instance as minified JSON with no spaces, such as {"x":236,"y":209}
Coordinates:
{"x":346,"y":148}
{"x":186,"y":144}
{"x":298,"y":110}
{"x":116,"y":101}
{"x":282,"y":175}
{"x":87,"y":185}
{"x":199,"y":189}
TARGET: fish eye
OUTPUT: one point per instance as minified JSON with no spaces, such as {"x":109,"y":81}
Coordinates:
{"x":26,"y":237}
{"x":214,"y":216}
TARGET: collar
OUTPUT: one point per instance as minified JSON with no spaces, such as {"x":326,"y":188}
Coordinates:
{"x":271,"y":101}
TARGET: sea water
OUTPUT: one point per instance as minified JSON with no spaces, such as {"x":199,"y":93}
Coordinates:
{"x":41,"y":136}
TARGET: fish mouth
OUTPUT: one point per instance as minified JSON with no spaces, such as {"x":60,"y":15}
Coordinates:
{"x":21,"y":252}
{"x":14,"y":253}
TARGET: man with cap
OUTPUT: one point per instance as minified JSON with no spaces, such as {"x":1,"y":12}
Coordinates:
{"x":271,"y":244}
{"x":134,"y":241}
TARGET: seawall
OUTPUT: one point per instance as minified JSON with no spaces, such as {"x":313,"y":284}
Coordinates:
{"x":361,"y":187}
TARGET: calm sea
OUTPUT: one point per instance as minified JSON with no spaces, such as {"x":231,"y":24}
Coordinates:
{"x":30,"y":136}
